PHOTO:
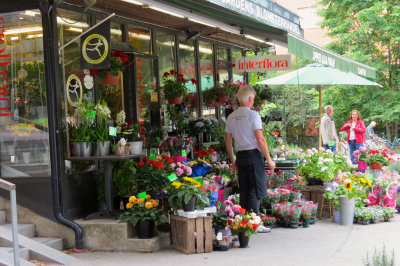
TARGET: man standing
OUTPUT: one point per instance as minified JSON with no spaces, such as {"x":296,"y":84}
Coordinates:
{"x":328,"y":130}
{"x":370,"y":130}
{"x":245,"y":127}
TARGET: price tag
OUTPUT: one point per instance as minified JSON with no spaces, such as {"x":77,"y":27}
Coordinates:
{"x":224,"y":175}
{"x":142,"y":195}
{"x":158,"y":139}
{"x":379,"y":147}
{"x":219,"y":236}
{"x":112,"y":131}
{"x":153,"y":151}
{"x":152,"y":157}
{"x":219,"y":205}
{"x":332,"y":143}
{"x":183,"y":153}
{"x":172,"y":177}
{"x":12,"y":159}
{"x":154,"y":96}
{"x":92,"y":114}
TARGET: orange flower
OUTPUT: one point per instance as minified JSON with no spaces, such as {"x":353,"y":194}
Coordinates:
{"x":148,"y":205}
{"x":139,"y":201}
{"x":169,"y":160}
{"x":242,"y":211}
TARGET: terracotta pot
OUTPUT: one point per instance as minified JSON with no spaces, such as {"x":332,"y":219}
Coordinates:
{"x":376,"y":166}
{"x":177,"y":100}
{"x":110,"y":79}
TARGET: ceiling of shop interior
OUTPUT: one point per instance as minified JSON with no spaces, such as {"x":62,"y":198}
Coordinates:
{"x":134,"y":12}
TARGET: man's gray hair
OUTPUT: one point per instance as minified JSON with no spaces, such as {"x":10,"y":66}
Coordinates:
{"x":328,"y":107}
{"x":245,"y":92}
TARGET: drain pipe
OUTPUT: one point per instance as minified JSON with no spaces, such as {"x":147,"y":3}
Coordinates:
{"x":50,"y":55}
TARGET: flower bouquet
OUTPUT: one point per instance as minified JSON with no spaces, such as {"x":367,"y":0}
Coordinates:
{"x":143,"y":214}
{"x":244,"y":226}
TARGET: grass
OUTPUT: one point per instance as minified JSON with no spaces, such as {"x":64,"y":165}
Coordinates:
{"x":380,"y":258}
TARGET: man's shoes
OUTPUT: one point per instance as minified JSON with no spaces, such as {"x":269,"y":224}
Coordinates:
{"x":263,"y":229}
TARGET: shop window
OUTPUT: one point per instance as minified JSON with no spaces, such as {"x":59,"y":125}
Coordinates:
{"x":24,"y":138}
{"x":206,"y":72}
{"x":116,"y":30}
{"x":140,"y":40}
{"x":165,"y":46}
{"x":222,"y":65}
{"x":236,"y":75}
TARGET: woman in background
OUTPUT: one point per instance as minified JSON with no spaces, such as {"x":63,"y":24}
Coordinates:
{"x":355,"y":128}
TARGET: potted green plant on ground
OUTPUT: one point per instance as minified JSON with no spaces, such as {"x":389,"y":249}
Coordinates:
{"x":187,"y":193}
{"x":143,"y":214}
{"x":124,"y":183}
{"x":174,"y":86}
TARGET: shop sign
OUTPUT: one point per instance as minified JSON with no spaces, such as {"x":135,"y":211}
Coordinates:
{"x":266,"y":12}
{"x":74,"y":90}
{"x":5,"y":59}
{"x":262,"y":63}
{"x":95,"y":47}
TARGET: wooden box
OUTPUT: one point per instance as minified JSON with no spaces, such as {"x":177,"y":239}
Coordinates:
{"x":313,"y":193}
{"x":192,"y":236}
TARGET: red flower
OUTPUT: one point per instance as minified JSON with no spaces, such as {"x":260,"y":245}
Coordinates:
{"x":254,"y":227}
{"x":169,"y":160}
{"x":140,"y":164}
{"x":229,"y":222}
{"x":212,"y":150}
{"x":242,"y":211}
{"x":173,"y":72}
{"x":194,"y":81}
{"x":124,"y":58}
{"x":166,"y":74}
{"x":159,"y":165}
{"x":94,"y":72}
{"x":275,"y":133}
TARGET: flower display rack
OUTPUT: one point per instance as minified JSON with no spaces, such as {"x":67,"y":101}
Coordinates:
{"x":192,"y":236}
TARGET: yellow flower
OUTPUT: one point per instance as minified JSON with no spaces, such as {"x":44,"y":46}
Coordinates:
{"x":132,"y":199}
{"x":129,"y":205}
{"x":347,"y":185}
{"x":155,"y":203}
{"x":148,"y":205}
{"x":369,"y":182}
{"x":139,"y":201}
{"x":362,"y":180}
{"x":197,"y":184}
{"x":148,"y":197}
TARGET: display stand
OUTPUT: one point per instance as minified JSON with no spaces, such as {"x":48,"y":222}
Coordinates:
{"x":107,"y":180}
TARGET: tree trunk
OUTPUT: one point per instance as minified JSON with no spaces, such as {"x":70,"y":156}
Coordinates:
{"x":395,"y":129}
{"x":388,"y":132}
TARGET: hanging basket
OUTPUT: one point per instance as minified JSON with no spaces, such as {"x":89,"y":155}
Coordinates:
{"x":177,"y":100}
{"x":111,"y":79}
{"x":376,"y":166}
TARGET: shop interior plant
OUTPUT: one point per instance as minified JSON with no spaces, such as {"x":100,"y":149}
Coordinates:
{"x":139,"y":209}
{"x":124,"y":183}
{"x":182,"y":191}
{"x":174,"y":85}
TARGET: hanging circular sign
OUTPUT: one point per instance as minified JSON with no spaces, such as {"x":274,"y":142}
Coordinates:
{"x":95,"y":49}
{"x":22,"y":74}
{"x":74,"y":90}
{"x":88,"y":82}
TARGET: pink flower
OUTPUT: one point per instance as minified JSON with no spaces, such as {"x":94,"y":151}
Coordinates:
{"x":172,"y":165}
{"x":179,"y":171}
{"x":356,"y":152}
{"x":188,"y":170}
{"x":235,"y":208}
{"x":228,"y":202}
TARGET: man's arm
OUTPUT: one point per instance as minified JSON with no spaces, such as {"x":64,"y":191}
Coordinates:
{"x":229,"y":148}
{"x":262,"y":143}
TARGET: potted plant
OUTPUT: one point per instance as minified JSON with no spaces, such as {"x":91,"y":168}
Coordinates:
{"x":187,"y":193}
{"x":375,"y":158}
{"x":143,"y":214}
{"x":244,"y":226}
{"x":121,"y":148}
{"x":130,"y":132}
{"x":101,"y":131}
{"x":152,"y":175}
{"x":263,"y":94}
{"x":221,"y":94}
{"x":124,"y":182}
{"x":388,"y":212}
{"x":82,"y":133}
{"x":117,"y":64}
{"x":178,"y":147}
{"x":174,"y":86}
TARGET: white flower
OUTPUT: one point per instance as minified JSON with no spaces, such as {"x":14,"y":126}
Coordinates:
{"x":321,"y":149}
{"x":122,"y":142}
{"x":328,"y":189}
{"x":120,"y":120}
{"x":329,"y":151}
{"x":323,"y":169}
{"x":335,"y":185}
{"x":314,"y":150}
{"x":320,"y":162}
{"x":279,"y":141}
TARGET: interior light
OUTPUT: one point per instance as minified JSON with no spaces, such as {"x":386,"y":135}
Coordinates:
{"x":67,"y":21}
{"x":253,"y":38}
{"x":205,"y":50}
{"x":166,"y":11}
{"x":30,"y":36}
{"x":139,"y":36}
{"x":134,"y":2}
{"x":202,"y":22}
{"x":14,"y":38}
{"x":22,"y":30}
{"x":75,"y":29}
{"x":31,"y":13}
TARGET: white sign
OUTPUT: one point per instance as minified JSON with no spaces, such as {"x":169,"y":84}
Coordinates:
{"x":88,"y":82}
{"x":262,"y":63}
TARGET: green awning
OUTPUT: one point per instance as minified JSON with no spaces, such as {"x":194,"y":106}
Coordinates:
{"x":310,"y":51}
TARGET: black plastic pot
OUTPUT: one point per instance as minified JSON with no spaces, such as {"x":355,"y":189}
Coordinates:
{"x":189,"y":207}
{"x":243,"y":240}
{"x":145,"y":229}
{"x":306,"y":223}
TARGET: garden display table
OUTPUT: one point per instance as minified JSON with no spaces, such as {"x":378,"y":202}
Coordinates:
{"x":286,"y":164}
{"x":107,"y":180}
{"x":314,"y":193}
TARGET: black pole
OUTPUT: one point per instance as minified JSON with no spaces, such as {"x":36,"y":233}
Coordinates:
{"x":50,"y":59}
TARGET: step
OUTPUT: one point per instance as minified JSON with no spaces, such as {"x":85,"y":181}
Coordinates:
{"x":23,"y":252}
{"x":7,"y":258}
{"x":2,"y":217}
{"x":27,"y":230}
{"x":56,"y":243}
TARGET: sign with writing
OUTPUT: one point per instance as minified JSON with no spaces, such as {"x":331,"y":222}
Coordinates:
{"x":112,"y":131}
{"x":262,"y":63}
{"x":266,"y":12}
{"x":92,"y":114}
{"x":6,"y":81}
{"x":142,"y":195}
{"x":154,"y":96}
{"x":172,"y":177}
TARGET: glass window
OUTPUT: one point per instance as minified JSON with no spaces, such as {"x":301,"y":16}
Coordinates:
{"x":236,"y":75}
{"x":140,"y":39}
{"x":165,"y":45}
{"x":24,"y":138}
{"x":116,"y":30}
{"x":206,"y":72}
{"x":222,"y":65}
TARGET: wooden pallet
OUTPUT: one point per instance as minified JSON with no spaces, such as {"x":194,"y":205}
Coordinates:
{"x":192,"y":236}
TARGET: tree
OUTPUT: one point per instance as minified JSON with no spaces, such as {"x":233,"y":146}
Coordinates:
{"x":369,"y":31}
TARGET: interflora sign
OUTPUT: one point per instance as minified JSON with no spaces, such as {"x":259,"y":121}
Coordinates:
{"x":4,"y":62}
{"x":262,"y":63}
{"x":264,"y":11}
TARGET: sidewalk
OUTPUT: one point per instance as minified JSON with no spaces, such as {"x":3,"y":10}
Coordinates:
{"x":324,"y":243}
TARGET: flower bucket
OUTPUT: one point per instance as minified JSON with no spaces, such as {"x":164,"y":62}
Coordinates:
{"x":376,"y":166}
{"x":190,"y":206}
{"x":110,"y":79}
{"x":347,"y":210}
{"x":145,"y":229}
{"x":135,"y":147}
{"x":86,"y":149}
{"x":178,"y":159}
{"x":103,"y":148}
{"x":336,"y":216}
{"x":362,"y":165}
{"x":77,"y":149}
{"x":243,"y":240}
{"x":177,"y":100}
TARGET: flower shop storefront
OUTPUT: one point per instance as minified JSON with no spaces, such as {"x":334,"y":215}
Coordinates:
{"x":52,"y":109}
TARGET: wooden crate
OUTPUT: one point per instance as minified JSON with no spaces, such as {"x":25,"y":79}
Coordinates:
{"x":313,"y":193}
{"x":192,"y":236}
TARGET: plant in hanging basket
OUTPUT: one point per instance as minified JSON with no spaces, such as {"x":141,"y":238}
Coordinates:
{"x":143,"y":210}
{"x":117,"y":64}
{"x":174,"y":86}
{"x":224,"y":94}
